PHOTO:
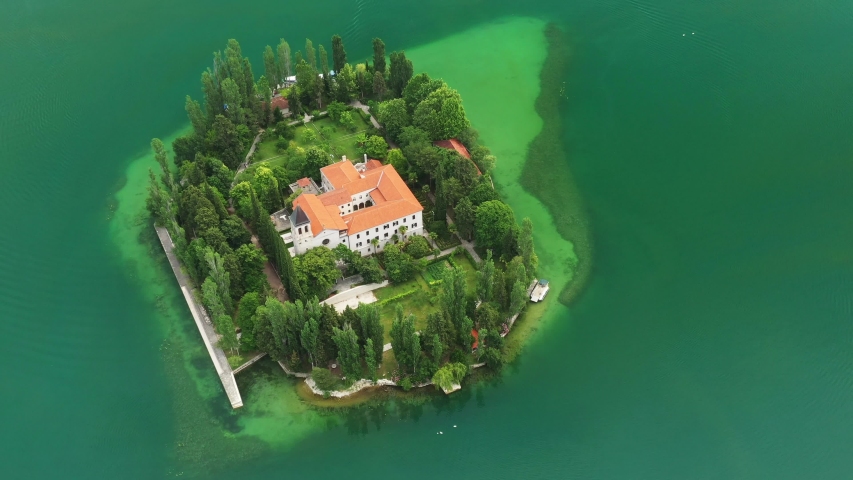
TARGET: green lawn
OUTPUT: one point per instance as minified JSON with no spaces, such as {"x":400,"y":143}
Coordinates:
{"x":424,"y":300}
{"x":266,"y":149}
{"x":420,"y":303}
{"x":340,"y":140}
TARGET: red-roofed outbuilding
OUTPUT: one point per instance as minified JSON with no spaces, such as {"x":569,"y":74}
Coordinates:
{"x":454,"y":144}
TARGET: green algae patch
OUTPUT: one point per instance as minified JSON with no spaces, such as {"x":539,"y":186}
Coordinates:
{"x":547,"y":173}
{"x":496,"y":68}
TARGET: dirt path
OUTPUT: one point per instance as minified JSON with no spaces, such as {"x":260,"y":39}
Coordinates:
{"x":272,"y":277}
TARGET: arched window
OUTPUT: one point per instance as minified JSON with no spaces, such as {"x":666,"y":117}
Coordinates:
{"x":361,"y":205}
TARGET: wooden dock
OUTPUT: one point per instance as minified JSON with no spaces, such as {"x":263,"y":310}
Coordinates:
{"x":205,"y":327}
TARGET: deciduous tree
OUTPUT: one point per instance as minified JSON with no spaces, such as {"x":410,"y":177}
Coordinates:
{"x":493,"y":222}
{"x":376,"y":147}
{"x":441,"y":114}
{"x":309,"y":338}
{"x":347,"y":87}
{"x":271,"y":68}
{"x":267,"y":189}
{"x":453,"y":296}
{"x":224,"y":143}
{"x":316,"y":271}
{"x":372,"y":328}
{"x":210,"y":298}
{"x":394,"y":117}
{"x":525,"y":248}
{"x":399,"y":265}
{"x":348,"y":352}
{"x":285,"y":68}
{"x":246,"y":312}
{"x":310,"y":55}
{"x":518,"y":297}
{"x":486,"y":278}
{"x":217,"y":272}
{"x":227,"y":337}
{"x":449,"y":375}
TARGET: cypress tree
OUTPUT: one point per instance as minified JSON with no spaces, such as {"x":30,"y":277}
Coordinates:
{"x":339,"y":54}
{"x":378,"y":55}
{"x":285,"y":68}
{"x":401,"y":72}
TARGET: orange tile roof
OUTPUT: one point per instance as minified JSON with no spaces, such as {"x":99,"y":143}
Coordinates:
{"x":303,"y":182}
{"x":335,"y":197}
{"x":377,"y":197}
{"x":322,"y":217}
{"x":371,"y":164}
{"x":454,"y":144}
{"x":341,"y":173}
{"x":391,"y":197}
{"x":377,"y":215}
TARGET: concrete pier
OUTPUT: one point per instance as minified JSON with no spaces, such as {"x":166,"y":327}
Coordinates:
{"x":205,"y":327}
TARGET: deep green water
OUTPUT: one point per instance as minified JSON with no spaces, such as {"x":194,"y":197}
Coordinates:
{"x":713,"y":341}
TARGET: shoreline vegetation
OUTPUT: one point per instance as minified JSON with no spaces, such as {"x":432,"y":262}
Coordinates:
{"x":541,"y":172}
{"x":213,"y":222}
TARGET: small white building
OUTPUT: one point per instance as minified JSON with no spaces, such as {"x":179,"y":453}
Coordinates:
{"x":361,"y":203}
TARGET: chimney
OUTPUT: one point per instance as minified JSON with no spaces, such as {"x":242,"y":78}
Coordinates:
{"x":365,"y":158}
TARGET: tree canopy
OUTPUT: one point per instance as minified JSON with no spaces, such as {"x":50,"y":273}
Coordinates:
{"x":441,"y":114}
{"x":316,"y":271}
{"x":494,"y":221}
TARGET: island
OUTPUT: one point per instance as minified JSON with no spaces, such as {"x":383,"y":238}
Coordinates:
{"x":340,"y":219}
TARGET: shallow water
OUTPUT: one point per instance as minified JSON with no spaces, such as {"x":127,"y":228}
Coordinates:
{"x":711,"y":145}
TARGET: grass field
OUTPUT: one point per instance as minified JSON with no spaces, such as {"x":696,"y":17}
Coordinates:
{"x":340,"y":142}
{"x":424,"y":299}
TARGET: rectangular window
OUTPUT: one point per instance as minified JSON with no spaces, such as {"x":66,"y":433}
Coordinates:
{"x":377,"y":229}
{"x":413,"y":217}
{"x":414,"y":225}
{"x":386,"y":235}
{"x":358,"y":236}
{"x":404,"y":219}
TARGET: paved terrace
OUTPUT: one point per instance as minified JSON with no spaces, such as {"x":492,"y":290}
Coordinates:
{"x":205,"y":328}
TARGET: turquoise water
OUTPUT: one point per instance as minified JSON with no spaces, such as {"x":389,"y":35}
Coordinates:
{"x":712,"y":342}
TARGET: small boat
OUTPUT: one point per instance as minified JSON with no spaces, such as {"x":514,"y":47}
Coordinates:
{"x":539,"y":291}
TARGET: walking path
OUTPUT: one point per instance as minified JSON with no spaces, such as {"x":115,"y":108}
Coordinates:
{"x":292,"y":374}
{"x":250,"y":362}
{"x":245,"y":163}
{"x":357,"y":104}
{"x":352,"y":292}
{"x":205,"y":328}
{"x":465,"y":243}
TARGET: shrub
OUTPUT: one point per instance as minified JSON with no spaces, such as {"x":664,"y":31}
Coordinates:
{"x":458,"y":356}
{"x":324,"y":379}
{"x":282,"y":145}
{"x":397,"y":297}
{"x":418,"y":247}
